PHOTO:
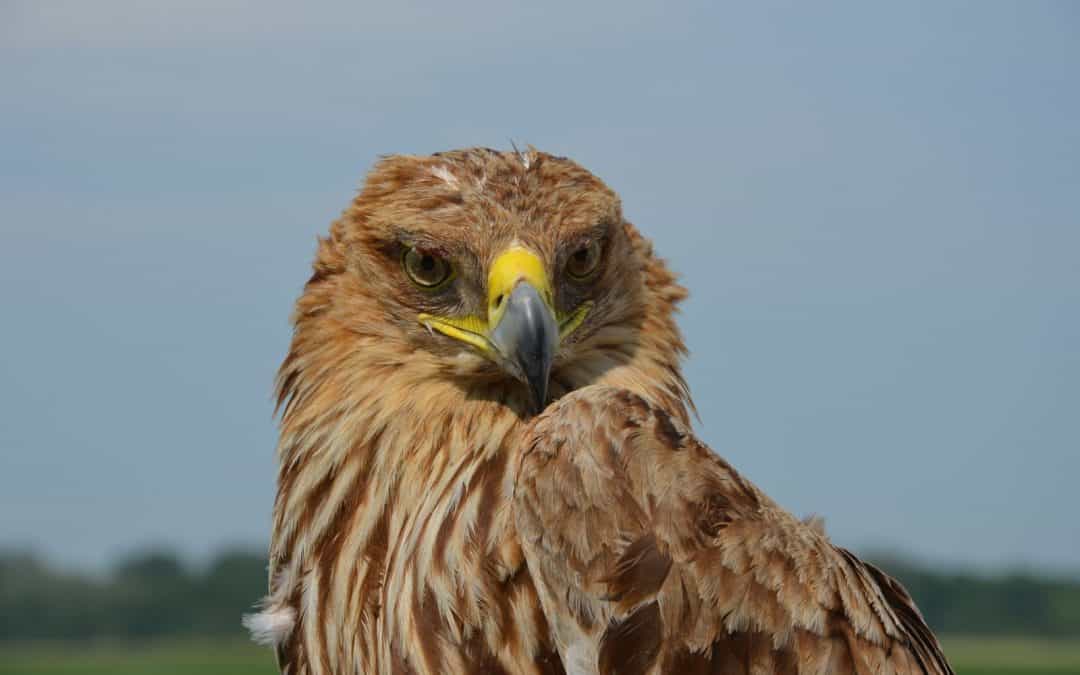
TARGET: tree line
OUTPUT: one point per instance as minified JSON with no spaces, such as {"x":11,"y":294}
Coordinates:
{"x":156,"y":594}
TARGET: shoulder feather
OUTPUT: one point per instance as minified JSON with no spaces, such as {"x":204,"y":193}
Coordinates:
{"x":654,"y":555}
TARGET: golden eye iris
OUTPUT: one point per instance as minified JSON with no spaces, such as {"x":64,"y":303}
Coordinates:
{"x":426,"y":270}
{"x":584,"y":261}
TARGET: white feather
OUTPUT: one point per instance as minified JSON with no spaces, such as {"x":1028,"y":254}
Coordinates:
{"x":271,"y":626}
{"x":443,"y":174}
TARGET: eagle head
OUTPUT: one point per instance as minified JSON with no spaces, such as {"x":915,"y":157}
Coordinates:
{"x":510,"y":275}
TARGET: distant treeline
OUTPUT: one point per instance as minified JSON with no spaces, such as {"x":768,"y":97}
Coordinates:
{"x":1015,"y":603}
{"x":150,"y":595}
{"x":155,"y":594}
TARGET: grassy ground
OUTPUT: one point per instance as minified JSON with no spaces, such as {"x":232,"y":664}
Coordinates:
{"x":970,"y":656}
{"x":176,"y":658}
{"x":1012,"y":656}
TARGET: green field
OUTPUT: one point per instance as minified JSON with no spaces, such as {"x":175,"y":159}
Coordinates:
{"x":1012,"y":656}
{"x":970,"y":656}
{"x":173,"y":658}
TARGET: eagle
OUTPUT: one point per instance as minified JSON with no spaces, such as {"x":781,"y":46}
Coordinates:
{"x":486,"y":463}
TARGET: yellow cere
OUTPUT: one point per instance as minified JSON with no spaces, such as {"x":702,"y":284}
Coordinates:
{"x":515,"y":264}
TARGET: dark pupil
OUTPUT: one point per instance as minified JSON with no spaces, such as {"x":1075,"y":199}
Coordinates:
{"x":427,"y":263}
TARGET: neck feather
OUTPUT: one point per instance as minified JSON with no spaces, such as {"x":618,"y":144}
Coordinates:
{"x":369,"y":425}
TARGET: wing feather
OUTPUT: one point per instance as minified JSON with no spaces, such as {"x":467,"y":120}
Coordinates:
{"x":655,"y":555}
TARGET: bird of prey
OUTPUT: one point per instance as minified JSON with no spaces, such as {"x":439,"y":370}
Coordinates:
{"x":486,"y":463}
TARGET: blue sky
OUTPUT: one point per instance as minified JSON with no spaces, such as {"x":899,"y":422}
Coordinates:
{"x":876,"y":209}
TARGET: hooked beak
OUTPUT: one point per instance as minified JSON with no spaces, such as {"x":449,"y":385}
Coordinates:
{"x":527,"y":337}
{"x":521,"y":332}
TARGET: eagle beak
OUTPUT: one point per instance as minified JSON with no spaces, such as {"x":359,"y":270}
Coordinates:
{"x":527,"y":337}
{"x":521,"y":332}
{"x":522,"y":326}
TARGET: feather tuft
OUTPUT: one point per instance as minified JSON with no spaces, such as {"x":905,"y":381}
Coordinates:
{"x":271,"y":626}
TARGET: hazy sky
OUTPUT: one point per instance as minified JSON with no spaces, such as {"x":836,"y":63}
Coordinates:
{"x":876,"y":208}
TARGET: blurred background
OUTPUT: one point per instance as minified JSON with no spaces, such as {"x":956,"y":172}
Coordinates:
{"x":876,"y":209}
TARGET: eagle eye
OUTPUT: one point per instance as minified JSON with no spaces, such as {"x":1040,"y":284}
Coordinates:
{"x":584,"y":261}
{"x":426,"y":270}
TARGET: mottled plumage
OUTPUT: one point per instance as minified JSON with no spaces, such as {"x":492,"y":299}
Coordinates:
{"x":430,"y":520}
{"x":657,"y":556}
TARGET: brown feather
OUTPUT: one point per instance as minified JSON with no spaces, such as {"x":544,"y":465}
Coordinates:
{"x":398,"y":543}
{"x":746,"y":587}
{"x":394,"y":547}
